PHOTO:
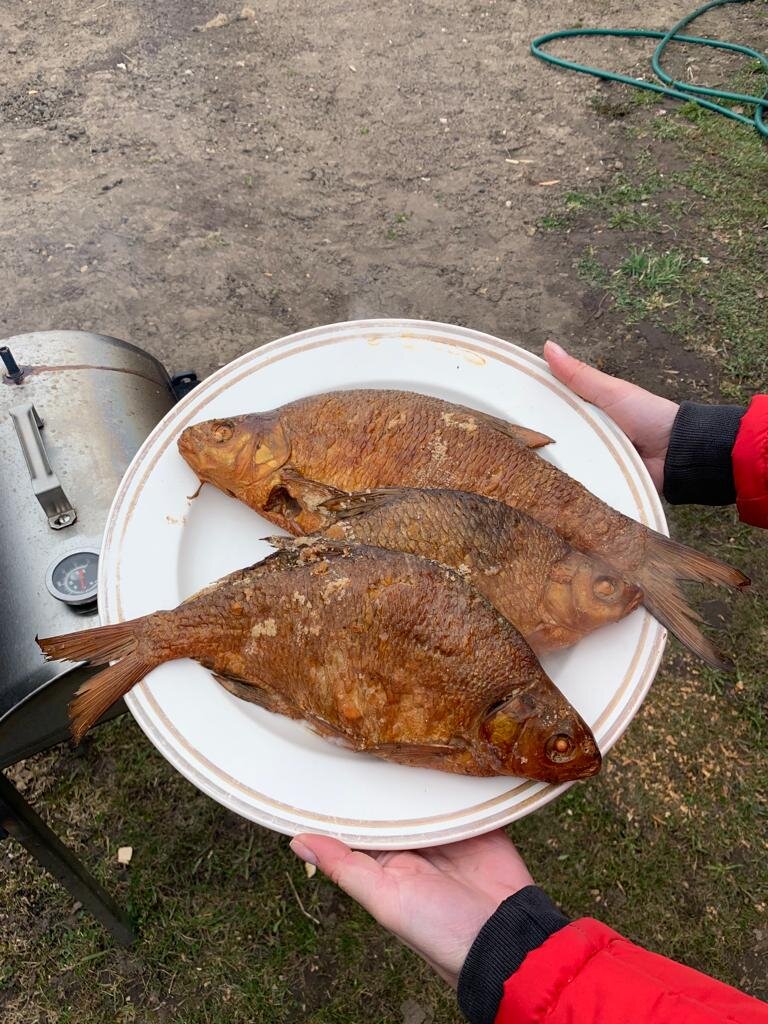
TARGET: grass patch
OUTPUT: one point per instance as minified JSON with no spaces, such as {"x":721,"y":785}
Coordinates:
{"x":396,"y":226}
{"x":632,"y":219}
{"x":589,"y":267}
{"x":622,"y":201}
{"x":644,"y":282}
{"x":711,"y":290}
{"x":553,"y":222}
{"x":654,"y":272}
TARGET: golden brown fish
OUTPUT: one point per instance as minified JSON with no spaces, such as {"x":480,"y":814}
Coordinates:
{"x":553,"y":594}
{"x":356,"y":440}
{"x":381,"y":651}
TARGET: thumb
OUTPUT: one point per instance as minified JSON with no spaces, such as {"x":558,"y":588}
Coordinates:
{"x":593,"y":385}
{"x":356,"y":873}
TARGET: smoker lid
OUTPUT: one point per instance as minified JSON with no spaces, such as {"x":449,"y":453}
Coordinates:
{"x":81,"y":350}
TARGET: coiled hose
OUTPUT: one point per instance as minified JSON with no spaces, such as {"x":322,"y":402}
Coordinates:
{"x":670,"y":86}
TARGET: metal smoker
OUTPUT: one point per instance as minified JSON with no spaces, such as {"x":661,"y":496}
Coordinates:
{"x":74,"y":409}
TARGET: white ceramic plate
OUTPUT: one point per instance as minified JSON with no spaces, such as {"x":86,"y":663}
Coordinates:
{"x":160,"y":547}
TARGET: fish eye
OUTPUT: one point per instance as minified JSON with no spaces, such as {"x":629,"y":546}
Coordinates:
{"x":223,"y":431}
{"x":605,"y":587}
{"x":560,"y":748}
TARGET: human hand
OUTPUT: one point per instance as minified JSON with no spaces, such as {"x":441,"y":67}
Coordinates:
{"x":434,"y":900}
{"x":645,"y":418}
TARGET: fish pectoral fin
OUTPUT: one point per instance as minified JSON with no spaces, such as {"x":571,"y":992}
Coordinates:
{"x":420,"y":755}
{"x":253,"y":693}
{"x":293,"y":479}
{"x":349,"y":505}
{"x":523,"y":435}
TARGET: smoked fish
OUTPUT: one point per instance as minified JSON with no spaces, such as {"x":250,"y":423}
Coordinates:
{"x":285,"y":462}
{"x":553,"y":594}
{"x":381,"y":651}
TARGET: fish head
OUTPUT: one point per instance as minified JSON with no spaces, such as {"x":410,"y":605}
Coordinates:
{"x":537,"y":734}
{"x":237,"y":454}
{"x":583,"y":594}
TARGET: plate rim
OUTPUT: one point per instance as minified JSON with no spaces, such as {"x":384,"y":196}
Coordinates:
{"x":141,"y":702}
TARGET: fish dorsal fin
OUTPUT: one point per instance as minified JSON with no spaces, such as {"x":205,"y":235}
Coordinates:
{"x":461,"y":416}
{"x":305,"y":550}
{"x":347,"y":506}
{"x":272,"y":563}
{"x":522,"y":435}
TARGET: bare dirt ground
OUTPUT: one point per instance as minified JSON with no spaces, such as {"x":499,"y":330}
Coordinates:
{"x":201,"y":192}
{"x":199,"y":178}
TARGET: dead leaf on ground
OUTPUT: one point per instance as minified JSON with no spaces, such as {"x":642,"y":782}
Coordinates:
{"x":221,"y":20}
{"x":217,"y":21}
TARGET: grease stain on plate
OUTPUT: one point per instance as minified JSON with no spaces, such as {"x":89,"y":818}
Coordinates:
{"x":473,"y":357}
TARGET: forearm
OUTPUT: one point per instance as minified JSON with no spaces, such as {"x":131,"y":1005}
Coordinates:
{"x":718,"y":455}
{"x":563,"y":972}
{"x":521,"y":924}
{"x":698,"y":468}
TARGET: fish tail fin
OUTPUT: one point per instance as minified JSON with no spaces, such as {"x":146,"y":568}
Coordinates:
{"x":668,"y":605}
{"x":98,"y":694}
{"x":667,"y":562}
{"x":347,"y":506}
{"x":99,"y":645}
{"x":670,"y":558}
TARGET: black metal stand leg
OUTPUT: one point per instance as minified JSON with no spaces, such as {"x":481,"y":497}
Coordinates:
{"x":21,"y":822}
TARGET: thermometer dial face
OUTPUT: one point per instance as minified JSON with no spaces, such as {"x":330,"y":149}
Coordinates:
{"x":73,"y":578}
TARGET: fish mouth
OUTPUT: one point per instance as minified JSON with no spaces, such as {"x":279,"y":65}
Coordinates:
{"x":190,"y":445}
{"x":589,"y":767}
{"x":553,"y":636}
{"x":635,"y":601}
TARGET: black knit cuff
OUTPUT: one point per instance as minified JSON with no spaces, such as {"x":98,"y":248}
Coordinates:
{"x":697,"y":470}
{"x":521,"y":924}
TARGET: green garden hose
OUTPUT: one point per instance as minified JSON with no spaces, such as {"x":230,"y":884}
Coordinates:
{"x":670,"y":87}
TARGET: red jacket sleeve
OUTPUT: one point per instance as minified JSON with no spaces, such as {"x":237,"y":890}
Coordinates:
{"x":586,"y":973}
{"x":750,"y":463}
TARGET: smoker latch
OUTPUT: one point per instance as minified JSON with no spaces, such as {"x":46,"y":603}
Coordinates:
{"x":45,"y":483}
{"x":182,"y":383}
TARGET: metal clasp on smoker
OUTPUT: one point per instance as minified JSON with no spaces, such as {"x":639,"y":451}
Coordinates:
{"x":45,"y":483}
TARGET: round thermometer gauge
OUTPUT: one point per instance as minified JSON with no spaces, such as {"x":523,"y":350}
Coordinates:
{"x":73,"y":578}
